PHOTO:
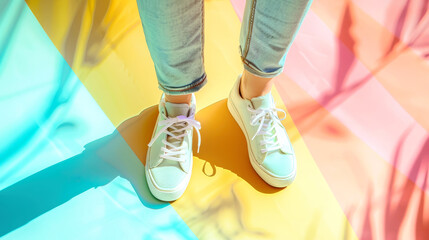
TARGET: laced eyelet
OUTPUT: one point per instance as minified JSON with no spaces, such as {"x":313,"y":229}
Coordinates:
{"x":266,"y":119}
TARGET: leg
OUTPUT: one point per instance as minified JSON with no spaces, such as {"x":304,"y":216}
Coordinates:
{"x":267,"y":32}
{"x":174,"y":32}
{"x":174,"y":35}
{"x":186,"y":98}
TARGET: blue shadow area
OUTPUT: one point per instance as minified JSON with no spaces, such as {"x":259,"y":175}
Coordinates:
{"x":65,"y":171}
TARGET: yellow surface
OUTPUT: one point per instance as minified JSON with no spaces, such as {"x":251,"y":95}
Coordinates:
{"x":105,"y":46}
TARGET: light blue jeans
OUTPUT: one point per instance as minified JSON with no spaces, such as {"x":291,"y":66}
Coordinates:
{"x":174,"y":31}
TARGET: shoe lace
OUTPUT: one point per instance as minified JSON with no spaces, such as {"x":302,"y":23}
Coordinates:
{"x":266,"y":117}
{"x":176,"y":129}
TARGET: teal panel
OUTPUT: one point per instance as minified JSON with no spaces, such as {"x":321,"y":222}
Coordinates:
{"x":65,"y":172}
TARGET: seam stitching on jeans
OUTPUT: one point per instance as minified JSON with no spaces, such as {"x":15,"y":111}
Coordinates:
{"x":251,"y":65}
{"x":249,"y":31}
{"x":202,"y":31}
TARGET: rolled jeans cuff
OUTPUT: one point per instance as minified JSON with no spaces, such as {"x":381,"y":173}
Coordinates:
{"x":187,"y":89}
{"x":257,"y":72}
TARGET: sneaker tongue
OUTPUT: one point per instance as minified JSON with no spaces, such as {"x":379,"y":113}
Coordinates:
{"x":264,"y":101}
{"x":177,"y":109}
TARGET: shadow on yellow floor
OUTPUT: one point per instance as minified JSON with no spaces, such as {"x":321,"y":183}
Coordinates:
{"x":123,"y":153}
{"x":224,"y":145}
{"x":222,"y":142}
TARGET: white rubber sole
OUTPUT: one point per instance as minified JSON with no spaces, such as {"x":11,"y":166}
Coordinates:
{"x":167,"y":195}
{"x":279,"y":182}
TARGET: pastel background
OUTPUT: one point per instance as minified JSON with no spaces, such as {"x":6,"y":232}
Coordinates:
{"x":77,"y":103}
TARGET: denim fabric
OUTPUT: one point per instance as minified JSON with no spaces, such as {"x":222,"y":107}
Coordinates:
{"x":267,"y":32}
{"x":174,"y":32}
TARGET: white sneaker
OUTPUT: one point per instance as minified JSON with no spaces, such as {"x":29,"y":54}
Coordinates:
{"x":270,"y":150}
{"x":169,"y":157}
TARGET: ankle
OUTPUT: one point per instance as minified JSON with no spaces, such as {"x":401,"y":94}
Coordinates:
{"x":252,"y":86}
{"x":178,"y":98}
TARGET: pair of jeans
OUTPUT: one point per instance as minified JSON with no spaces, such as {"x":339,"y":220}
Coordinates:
{"x":174,"y":32}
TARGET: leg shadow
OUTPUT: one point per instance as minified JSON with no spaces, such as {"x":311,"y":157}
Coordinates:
{"x":123,"y":153}
{"x":102,"y":161}
{"x":224,"y":145}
